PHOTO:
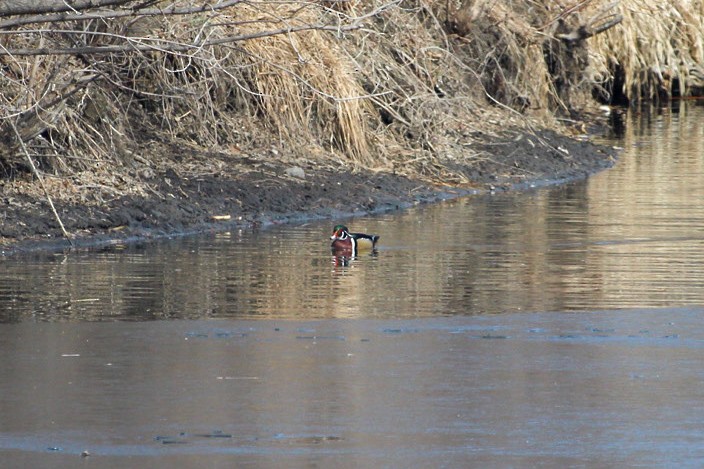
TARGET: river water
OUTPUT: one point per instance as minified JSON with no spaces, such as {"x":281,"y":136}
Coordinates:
{"x":559,"y":327}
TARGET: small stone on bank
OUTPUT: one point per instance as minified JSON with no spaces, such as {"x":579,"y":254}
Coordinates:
{"x":296,"y":172}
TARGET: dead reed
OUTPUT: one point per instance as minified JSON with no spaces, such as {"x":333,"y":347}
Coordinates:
{"x":659,"y":47}
{"x":385,"y":85}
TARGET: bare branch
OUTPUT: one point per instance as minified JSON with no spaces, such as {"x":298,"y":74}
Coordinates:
{"x":41,"y":181}
{"x":602,"y":20}
{"x":616,"y":19}
{"x":136,"y":44}
{"x":111,"y":14}
{"x":33,"y":7}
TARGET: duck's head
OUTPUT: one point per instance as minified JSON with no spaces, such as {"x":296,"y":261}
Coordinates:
{"x":340,"y":232}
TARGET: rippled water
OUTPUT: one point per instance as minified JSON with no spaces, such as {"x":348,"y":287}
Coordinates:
{"x":632,"y":236}
{"x":556,"y":328}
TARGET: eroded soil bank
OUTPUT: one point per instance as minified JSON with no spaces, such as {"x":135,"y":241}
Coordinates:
{"x":216,"y":191}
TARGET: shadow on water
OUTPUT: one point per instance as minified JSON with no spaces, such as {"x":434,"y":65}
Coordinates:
{"x":550,"y":328}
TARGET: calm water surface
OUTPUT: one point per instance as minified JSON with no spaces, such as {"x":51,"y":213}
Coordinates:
{"x":560,"y":327}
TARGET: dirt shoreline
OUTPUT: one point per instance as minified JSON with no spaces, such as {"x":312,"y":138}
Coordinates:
{"x":251,"y":192}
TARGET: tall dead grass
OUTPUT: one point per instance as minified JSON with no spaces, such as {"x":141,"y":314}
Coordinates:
{"x":305,"y":85}
{"x":660,"y":46}
{"x":388,"y":85}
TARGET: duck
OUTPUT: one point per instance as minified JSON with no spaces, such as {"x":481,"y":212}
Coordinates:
{"x":346,"y":243}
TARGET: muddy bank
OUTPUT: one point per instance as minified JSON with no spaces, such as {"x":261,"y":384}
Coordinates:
{"x":221,"y":191}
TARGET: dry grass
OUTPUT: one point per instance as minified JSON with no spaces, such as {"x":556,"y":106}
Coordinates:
{"x":660,"y":44}
{"x":410,"y":90}
{"x":305,"y":86}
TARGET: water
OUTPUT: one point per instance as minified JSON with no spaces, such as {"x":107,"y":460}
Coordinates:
{"x":559,"y":327}
{"x":514,"y":390}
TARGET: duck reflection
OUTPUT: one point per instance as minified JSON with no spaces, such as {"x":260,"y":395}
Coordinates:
{"x":341,"y":260}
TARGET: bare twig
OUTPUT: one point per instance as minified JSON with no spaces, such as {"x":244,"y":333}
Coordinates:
{"x":41,"y":182}
{"x":111,"y":14}
{"x":23,"y":7}
{"x":134,"y":45}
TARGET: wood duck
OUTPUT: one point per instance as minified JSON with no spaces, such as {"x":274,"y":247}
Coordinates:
{"x":350,"y":244}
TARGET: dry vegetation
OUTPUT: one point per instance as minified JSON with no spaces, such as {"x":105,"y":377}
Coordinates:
{"x":406,"y":86}
{"x":657,"y":53}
